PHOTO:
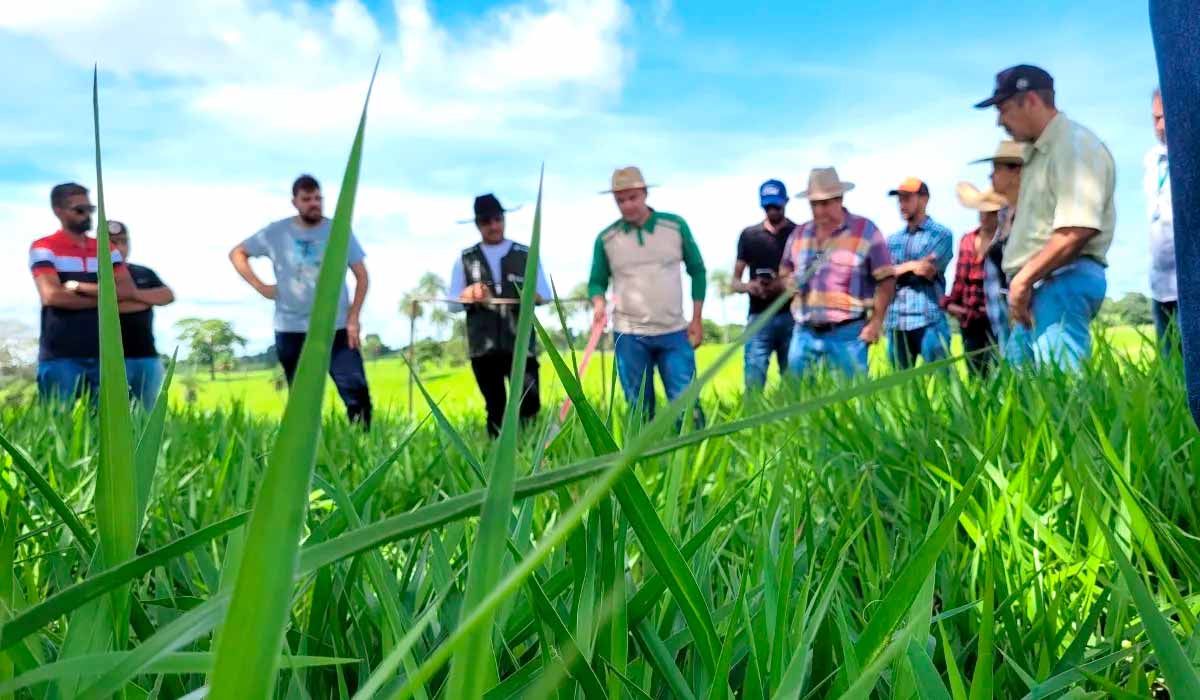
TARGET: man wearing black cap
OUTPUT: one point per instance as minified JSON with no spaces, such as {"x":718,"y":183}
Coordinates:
{"x":1055,"y":255}
{"x":487,"y":279}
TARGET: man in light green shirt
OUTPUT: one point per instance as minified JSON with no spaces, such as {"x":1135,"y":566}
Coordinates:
{"x":641,"y":254}
{"x":1055,"y":255}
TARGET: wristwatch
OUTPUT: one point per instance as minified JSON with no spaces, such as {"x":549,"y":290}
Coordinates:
{"x":71,"y":285}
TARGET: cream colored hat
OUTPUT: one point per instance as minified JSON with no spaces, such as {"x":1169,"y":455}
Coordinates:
{"x":627,"y":179}
{"x":1006,"y":152}
{"x":824,"y":183}
{"x":988,"y":200}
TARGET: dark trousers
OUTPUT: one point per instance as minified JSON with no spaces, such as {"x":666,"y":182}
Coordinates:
{"x":1166,"y":325}
{"x":491,"y":372}
{"x":345,"y":368}
{"x":979,"y":345}
{"x":1176,"y":28}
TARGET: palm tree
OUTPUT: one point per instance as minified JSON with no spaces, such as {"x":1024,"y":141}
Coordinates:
{"x":722,"y":281}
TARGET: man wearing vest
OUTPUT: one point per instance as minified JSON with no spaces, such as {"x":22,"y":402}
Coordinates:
{"x":641,"y":253}
{"x":487,"y":278}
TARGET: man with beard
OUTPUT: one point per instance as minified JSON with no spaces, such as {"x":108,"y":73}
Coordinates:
{"x":1055,"y":255}
{"x":920,"y":251}
{"x":760,"y":249}
{"x":64,"y":266}
{"x":296,"y":247}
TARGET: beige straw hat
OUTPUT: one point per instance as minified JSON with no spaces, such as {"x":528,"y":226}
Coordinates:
{"x":987,"y":200}
{"x":823,"y":184}
{"x":627,"y":179}
{"x":1006,"y":152}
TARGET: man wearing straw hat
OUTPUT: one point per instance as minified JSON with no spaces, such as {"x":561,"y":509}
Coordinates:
{"x":1006,"y":182}
{"x":296,"y":248}
{"x":840,"y":267}
{"x":1055,"y":255}
{"x":641,"y":253}
{"x":966,"y":300}
{"x":487,"y":279}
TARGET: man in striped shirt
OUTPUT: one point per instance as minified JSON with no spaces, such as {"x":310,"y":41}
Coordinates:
{"x":839,"y":265}
{"x":64,"y":267}
{"x":920,"y":252}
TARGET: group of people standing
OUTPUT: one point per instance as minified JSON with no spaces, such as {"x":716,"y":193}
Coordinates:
{"x":1028,"y":281}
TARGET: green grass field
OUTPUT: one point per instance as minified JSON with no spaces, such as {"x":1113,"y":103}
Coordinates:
{"x":455,"y":386}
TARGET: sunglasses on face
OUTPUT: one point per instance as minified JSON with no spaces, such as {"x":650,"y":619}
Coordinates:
{"x":773,"y":207}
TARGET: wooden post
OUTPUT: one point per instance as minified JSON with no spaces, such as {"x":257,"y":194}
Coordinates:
{"x":412,"y":353}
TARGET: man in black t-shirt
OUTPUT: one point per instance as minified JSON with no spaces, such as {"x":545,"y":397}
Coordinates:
{"x":760,"y":249}
{"x":143,"y":366}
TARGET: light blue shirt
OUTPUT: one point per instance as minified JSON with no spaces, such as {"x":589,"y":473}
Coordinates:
{"x":296,"y":253}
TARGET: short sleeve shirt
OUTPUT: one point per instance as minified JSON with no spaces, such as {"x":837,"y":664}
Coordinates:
{"x":296,"y":253}
{"x":68,"y":333}
{"x":842,"y":286}
{"x":137,"y":328}
{"x":1068,"y":180}
{"x":762,"y":251}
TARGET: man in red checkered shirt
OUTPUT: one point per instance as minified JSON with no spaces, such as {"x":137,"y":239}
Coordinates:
{"x":64,"y":267}
{"x":966,"y":300}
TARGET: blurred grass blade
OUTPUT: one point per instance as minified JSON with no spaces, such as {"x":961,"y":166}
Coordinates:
{"x":906,"y":584}
{"x":248,"y":649}
{"x":24,"y":462}
{"x":146,"y":455}
{"x":636,"y":506}
{"x":471,"y":672}
{"x":1182,"y":677}
{"x":71,"y":598}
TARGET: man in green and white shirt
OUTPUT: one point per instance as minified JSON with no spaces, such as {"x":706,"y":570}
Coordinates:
{"x":641,"y":253}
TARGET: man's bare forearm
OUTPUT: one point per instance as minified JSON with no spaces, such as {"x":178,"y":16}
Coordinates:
{"x":1064,"y":248}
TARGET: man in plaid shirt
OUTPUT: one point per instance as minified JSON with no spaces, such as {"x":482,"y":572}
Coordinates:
{"x":967,"y":300}
{"x":920,"y":252}
{"x":838,"y":264}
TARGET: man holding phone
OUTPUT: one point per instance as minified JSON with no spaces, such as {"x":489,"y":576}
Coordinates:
{"x":760,"y":250}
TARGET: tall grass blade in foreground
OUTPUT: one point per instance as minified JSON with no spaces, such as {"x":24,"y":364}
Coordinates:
{"x":473,"y":669}
{"x":247,"y":654}
{"x":117,"y":511}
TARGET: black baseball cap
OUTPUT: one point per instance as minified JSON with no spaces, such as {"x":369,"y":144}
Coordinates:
{"x":1015,"y":80}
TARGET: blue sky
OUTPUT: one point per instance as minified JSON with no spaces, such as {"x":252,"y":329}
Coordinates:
{"x":209,"y":112}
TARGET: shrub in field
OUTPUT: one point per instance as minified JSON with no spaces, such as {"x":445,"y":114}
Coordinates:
{"x":913,"y":536}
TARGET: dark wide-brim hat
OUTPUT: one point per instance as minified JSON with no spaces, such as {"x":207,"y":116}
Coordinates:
{"x":487,"y":206}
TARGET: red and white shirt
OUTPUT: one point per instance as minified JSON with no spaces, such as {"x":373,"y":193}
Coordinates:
{"x":68,"y":333}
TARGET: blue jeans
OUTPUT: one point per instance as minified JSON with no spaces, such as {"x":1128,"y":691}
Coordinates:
{"x":1176,"y":29}
{"x":839,"y":346}
{"x":772,"y":339}
{"x":67,"y":378}
{"x":145,"y":375}
{"x":638,"y":355}
{"x":930,"y":342}
{"x":1063,"y":306}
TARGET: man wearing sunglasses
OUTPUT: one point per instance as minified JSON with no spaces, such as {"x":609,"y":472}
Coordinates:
{"x":64,"y":267}
{"x":760,"y":249}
